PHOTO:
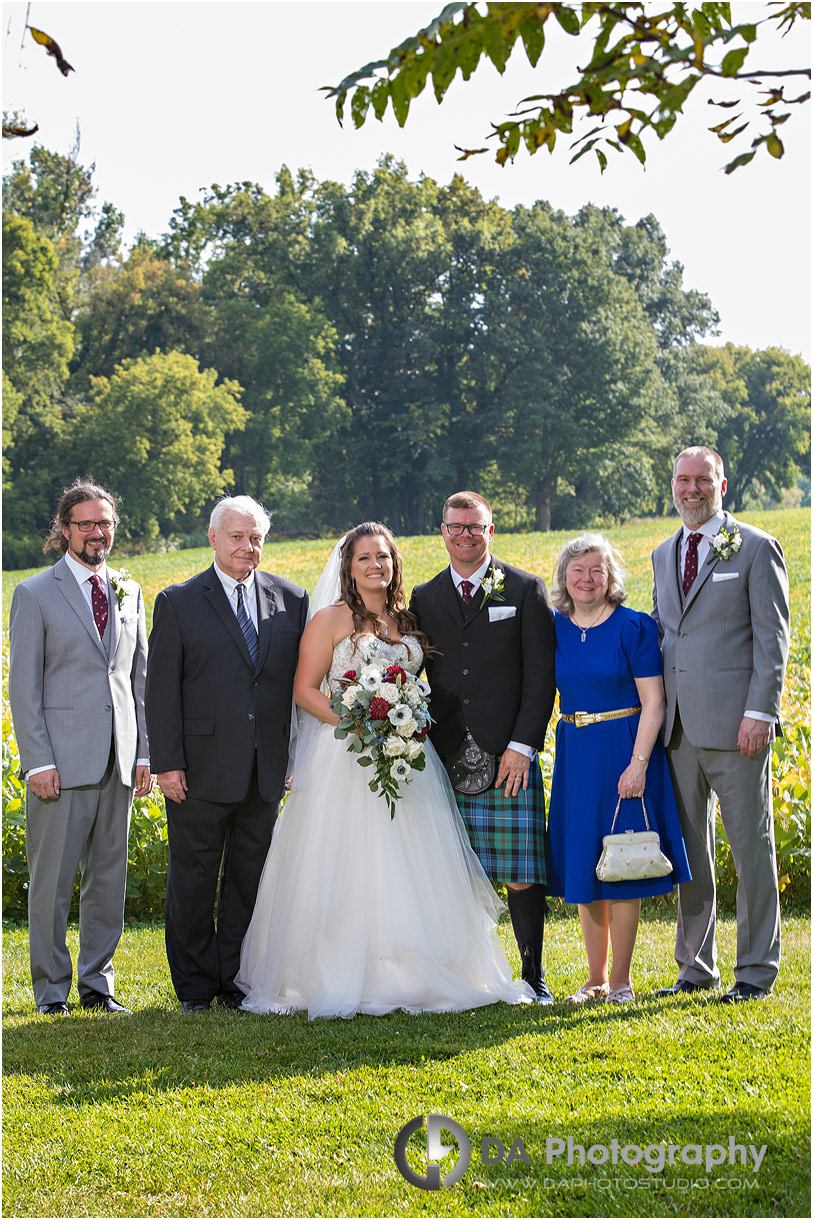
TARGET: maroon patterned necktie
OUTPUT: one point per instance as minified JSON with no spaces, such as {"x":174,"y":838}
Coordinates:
{"x":690,"y":563}
{"x":98,"y":599}
{"x":466,"y":590}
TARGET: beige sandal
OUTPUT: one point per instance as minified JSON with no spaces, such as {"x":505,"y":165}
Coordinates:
{"x":622,"y":995}
{"x":586,"y":992}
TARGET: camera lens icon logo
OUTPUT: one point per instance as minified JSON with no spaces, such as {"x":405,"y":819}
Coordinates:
{"x":436,"y":1150}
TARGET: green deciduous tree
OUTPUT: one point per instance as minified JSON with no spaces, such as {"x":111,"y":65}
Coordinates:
{"x":639,"y":71}
{"x":132,"y":309}
{"x":765,"y":441}
{"x":37,"y":346}
{"x":156,"y":429}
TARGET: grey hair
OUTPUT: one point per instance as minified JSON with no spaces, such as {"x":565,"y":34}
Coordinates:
{"x":585,"y":544}
{"x":702,"y":451}
{"x":243,"y":505}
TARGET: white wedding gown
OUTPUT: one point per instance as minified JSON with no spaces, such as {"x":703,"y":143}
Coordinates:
{"x":360,"y":913}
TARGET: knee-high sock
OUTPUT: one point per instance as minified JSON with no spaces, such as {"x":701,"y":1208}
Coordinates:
{"x":527,"y":909}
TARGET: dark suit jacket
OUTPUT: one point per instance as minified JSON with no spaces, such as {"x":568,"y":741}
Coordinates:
{"x":494,"y":676}
{"x":206,"y":704}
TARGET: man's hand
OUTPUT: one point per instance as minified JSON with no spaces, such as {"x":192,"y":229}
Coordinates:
{"x":514,"y":771}
{"x":753,"y":736}
{"x":173,"y":785}
{"x":45,"y":784}
{"x":143,"y":781}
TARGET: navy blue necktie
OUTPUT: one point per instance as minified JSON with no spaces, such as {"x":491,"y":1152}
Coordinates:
{"x":247,"y":627}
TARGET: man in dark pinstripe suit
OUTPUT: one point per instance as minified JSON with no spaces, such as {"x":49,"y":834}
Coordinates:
{"x":223,"y":653}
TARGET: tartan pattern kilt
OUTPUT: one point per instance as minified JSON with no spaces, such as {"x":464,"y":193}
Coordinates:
{"x":508,"y":834}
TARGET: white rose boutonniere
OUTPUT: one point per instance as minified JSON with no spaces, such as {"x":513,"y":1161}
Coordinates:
{"x":492,"y":586}
{"x":726,"y":543}
{"x":118,"y":582}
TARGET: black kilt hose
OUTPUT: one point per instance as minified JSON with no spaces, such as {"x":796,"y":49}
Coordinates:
{"x":508,"y":833}
{"x":493,"y":675}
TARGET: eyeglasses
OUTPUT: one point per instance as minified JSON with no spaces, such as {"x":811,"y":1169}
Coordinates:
{"x":456,"y":529}
{"x":85,"y":527}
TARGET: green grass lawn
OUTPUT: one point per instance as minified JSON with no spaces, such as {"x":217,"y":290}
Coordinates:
{"x":226,"y":1114}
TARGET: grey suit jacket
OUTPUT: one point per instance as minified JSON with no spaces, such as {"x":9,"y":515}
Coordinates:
{"x":67,"y":697}
{"x":725,"y":648}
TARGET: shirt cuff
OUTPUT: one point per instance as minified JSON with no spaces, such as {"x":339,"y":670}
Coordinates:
{"x":142,"y":762}
{"x":760,"y":716}
{"x":39,"y":770}
{"x":528,"y":751}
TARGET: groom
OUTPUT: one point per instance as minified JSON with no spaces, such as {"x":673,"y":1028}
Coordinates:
{"x":492,"y":676}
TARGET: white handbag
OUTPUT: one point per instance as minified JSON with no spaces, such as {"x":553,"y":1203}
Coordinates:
{"x":633,"y":855}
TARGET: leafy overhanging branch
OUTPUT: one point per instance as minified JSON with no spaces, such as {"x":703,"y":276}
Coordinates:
{"x":643,"y":68}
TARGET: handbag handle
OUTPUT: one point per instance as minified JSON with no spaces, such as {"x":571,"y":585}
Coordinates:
{"x":618,"y":806}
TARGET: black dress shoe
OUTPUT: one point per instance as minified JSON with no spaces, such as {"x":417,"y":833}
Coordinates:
{"x":59,"y":1009}
{"x":542,"y":993}
{"x":196,"y":1005}
{"x":743,"y":991}
{"x":97,"y":1001}
{"x":683,"y":987}
{"x":231,"y":999}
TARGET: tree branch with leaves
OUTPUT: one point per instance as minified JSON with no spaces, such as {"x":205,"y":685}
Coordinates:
{"x":643,"y":68}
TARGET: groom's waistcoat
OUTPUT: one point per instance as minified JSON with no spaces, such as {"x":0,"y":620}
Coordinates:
{"x":493,"y":672}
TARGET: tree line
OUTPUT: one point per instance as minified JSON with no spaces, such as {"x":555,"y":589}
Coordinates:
{"x":350,"y":352}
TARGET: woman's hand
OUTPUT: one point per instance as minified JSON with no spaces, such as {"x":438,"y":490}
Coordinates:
{"x":632,"y":781}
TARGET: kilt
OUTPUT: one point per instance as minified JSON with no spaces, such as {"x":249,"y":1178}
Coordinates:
{"x":508,"y":834}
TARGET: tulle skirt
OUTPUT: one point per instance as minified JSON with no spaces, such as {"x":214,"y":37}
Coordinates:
{"x":360,"y":913}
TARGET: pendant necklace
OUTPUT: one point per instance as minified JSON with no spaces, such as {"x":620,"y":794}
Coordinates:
{"x":594,"y":623}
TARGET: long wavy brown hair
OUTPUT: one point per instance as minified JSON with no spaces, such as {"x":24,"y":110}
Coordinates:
{"x":364,"y":621}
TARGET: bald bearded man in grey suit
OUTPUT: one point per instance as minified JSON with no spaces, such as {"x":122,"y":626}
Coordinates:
{"x":721,"y":603}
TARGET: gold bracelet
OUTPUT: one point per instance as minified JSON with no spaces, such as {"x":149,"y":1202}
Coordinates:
{"x":641,"y":758}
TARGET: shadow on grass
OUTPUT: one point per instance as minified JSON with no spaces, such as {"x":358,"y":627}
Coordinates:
{"x":103,"y":1056}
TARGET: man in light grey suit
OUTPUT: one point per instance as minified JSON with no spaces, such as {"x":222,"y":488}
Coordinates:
{"x":721,"y":603}
{"x":76,"y":683}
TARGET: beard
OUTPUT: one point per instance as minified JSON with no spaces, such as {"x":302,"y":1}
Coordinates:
{"x":94,"y":558}
{"x":698,"y":512}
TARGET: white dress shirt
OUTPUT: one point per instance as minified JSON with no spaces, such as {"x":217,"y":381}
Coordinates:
{"x":249,"y":593}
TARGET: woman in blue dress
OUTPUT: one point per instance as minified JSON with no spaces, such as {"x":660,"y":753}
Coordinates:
{"x":608,"y":661}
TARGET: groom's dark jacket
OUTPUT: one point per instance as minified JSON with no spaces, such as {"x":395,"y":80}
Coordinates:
{"x":210,"y":709}
{"x":492,"y":674}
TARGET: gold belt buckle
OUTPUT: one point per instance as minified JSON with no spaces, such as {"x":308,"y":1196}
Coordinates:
{"x":581,"y":719}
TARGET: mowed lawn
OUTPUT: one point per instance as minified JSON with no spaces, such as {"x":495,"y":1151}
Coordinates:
{"x":226,"y":1114}
{"x":229,"y":1114}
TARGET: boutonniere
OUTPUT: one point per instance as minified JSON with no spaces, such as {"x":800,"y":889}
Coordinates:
{"x":492,"y":587}
{"x":118,"y":582}
{"x":726,"y":543}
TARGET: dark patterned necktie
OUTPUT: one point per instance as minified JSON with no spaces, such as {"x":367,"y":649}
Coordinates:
{"x":690,"y":563}
{"x":98,"y":600}
{"x":466,"y":590}
{"x":247,"y":627}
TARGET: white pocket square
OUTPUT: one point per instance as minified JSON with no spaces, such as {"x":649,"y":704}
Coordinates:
{"x":495,"y":613}
{"x":725,"y":575}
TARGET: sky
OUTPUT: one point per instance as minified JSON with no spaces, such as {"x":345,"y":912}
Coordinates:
{"x":170,"y":97}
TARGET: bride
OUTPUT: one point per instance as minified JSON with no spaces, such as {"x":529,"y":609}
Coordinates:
{"x":358,"y":912}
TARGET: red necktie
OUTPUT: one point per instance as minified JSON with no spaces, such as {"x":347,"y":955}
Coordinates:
{"x":690,"y":564}
{"x":98,"y":599}
{"x":466,"y":590}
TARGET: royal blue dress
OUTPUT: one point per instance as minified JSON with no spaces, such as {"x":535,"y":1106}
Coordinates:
{"x":598,"y":675}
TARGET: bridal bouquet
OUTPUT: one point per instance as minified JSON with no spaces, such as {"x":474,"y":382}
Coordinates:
{"x":384,"y":712}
